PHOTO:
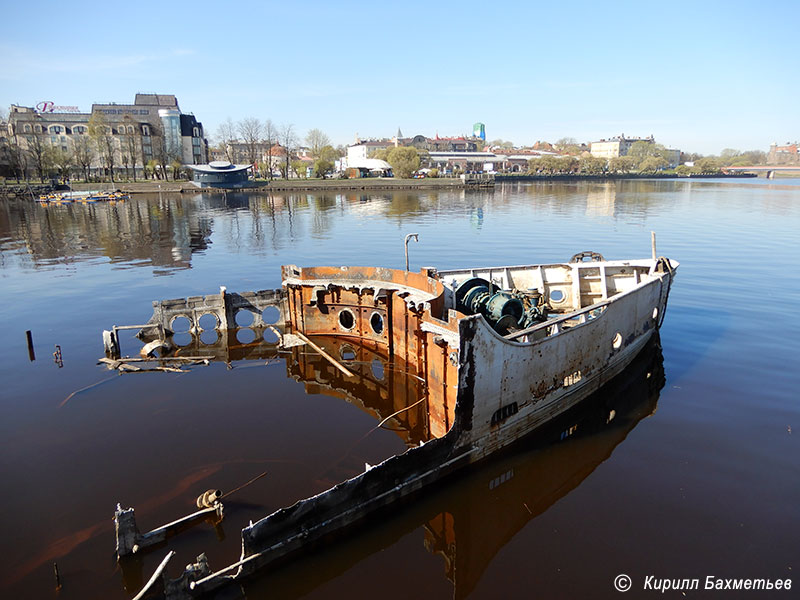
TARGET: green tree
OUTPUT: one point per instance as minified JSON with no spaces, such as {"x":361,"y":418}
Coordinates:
{"x":652,"y":164}
{"x":708,"y":165}
{"x":322,"y":167}
{"x":685,"y":171}
{"x":592,"y":165}
{"x":299,"y":167}
{"x":152,"y":166}
{"x":176,"y":165}
{"x":741,"y":159}
{"x":63,"y":161}
{"x":639,"y":151}
{"x":324,"y":164}
{"x":404,"y":160}
{"x":621,"y":164}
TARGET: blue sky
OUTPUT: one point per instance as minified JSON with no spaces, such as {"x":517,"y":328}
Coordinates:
{"x":701,"y":76}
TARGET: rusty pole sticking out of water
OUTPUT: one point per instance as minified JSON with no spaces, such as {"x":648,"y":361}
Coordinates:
{"x":31,"y":353}
{"x":58,"y":577}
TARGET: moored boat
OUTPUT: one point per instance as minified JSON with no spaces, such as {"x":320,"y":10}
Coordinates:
{"x":82,"y":197}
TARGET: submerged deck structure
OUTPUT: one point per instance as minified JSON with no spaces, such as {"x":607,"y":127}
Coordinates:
{"x":498,"y":352}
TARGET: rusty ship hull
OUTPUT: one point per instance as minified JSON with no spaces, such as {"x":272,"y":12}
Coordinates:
{"x":540,"y":339}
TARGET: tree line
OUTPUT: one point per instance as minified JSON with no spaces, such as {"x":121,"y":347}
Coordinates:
{"x":118,"y":149}
{"x":643,"y":158}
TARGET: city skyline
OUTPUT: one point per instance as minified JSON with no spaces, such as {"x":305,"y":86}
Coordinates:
{"x":700,"y":78}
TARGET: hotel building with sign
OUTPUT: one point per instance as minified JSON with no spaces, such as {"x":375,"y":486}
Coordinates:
{"x":153,"y":126}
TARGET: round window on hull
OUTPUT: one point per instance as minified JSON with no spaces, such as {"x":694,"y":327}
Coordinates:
{"x":376,"y":323}
{"x":347,"y":319}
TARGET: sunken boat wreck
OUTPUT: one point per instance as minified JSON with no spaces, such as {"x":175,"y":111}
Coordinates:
{"x":497,"y":352}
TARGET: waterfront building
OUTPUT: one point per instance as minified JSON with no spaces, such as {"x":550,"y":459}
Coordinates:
{"x":788,"y":154}
{"x":454,"y":144}
{"x":469,"y":162}
{"x":616,"y":146}
{"x":620,"y":146}
{"x":221,"y":174}
{"x":358,"y":163}
{"x":153,"y":128}
{"x":372,"y":146}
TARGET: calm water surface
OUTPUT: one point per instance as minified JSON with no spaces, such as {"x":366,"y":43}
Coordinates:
{"x":698,"y":475}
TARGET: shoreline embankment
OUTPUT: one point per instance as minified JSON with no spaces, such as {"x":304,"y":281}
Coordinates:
{"x":376,"y":183}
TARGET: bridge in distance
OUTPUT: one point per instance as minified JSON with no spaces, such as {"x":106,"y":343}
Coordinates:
{"x":769,"y":170}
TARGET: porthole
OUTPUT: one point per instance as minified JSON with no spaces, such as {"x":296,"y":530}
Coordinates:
{"x":180,"y":325}
{"x":270,"y":337}
{"x":207,"y":322}
{"x":556,"y":295}
{"x":376,"y":322}
{"x":209,"y":337}
{"x":617,"y":342}
{"x":346,"y":352}
{"x":245,"y":336}
{"x":182,"y":340}
{"x":271,"y":314}
{"x":655,"y":313}
{"x":346,"y":319}
{"x":378,"y":369}
{"x":244,"y":318}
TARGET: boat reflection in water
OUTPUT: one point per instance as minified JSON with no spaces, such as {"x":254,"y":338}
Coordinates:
{"x":470,"y":516}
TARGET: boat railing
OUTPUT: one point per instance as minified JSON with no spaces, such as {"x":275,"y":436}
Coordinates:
{"x":583,"y":314}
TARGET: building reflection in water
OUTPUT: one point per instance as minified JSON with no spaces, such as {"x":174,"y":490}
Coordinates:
{"x":469,"y":519}
{"x":601,"y":199}
{"x":161,"y":232}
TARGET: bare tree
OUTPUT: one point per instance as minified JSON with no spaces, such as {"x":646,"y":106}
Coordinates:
{"x":17,"y":156}
{"x":132,"y":141}
{"x":161,"y":156}
{"x":40,"y":151}
{"x":251,"y":129}
{"x":82,"y":150}
{"x":289,"y":140}
{"x":270,"y":137}
{"x":226,"y":135}
{"x":102,"y":135}
{"x":316,"y":141}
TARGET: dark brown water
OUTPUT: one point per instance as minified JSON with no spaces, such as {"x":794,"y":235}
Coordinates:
{"x":697,"y":475}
